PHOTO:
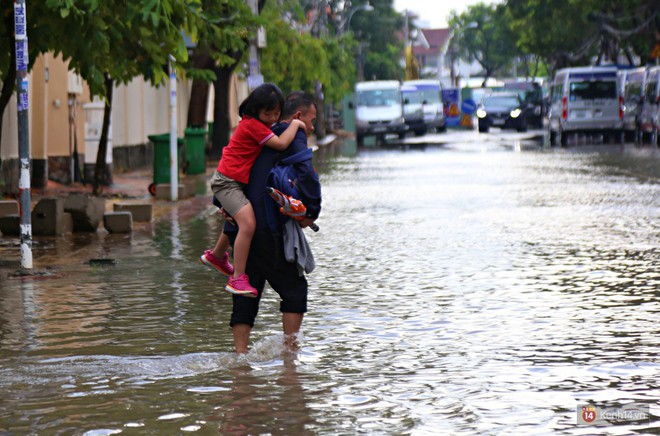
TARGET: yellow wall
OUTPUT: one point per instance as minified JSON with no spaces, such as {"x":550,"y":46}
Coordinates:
{"x":51,"y":133}
{"x":9,"y":144}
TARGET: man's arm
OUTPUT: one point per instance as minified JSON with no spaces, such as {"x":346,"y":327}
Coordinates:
{"x":310,"y":188}
{"x":308,"y":181}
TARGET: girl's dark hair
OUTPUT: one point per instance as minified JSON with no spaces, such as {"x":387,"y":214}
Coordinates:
{"x":264,"y":97}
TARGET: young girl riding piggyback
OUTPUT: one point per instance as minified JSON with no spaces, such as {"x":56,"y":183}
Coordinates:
{"x":260,"y":110}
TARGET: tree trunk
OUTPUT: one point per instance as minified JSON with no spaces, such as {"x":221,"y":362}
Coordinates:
{"x":320,"y":129}
{"x":199,"y":95}
{"x":221,"y":122}
{"x":487,"y":76}
{"x":100,"y":170}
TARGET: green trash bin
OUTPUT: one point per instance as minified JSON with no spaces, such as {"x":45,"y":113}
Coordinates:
{"x":194,"y":151}
{"x":162,"y":158}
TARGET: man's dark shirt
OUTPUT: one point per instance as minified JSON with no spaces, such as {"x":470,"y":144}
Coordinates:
{"x":308,"y":181}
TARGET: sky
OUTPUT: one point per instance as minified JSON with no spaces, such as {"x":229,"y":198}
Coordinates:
{"x":434,"y":13}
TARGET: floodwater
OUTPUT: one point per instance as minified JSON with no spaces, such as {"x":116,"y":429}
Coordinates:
{"x":464,"y":289}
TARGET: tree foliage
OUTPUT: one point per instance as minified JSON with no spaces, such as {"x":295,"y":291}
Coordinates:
{"x":582,"y":32}
{"x":483,"y":33}
{"x":296,"y":60}
{"x":382,"y":32}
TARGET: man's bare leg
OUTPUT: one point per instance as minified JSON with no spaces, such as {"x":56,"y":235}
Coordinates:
{"x":291,"y":323}
{"x":241,"y":337}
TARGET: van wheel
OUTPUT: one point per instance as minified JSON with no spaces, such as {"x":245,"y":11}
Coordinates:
{"x":563,"y":138}
{"x":552,"y":137}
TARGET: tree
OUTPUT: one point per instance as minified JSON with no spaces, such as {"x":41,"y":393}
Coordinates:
{"x":113,"y":42}
{"x":483,"y":33}
{"x":582,"y":32}
{"x":222,"y":40}
{"x":296,"y":61}
{"x":381,"y":29}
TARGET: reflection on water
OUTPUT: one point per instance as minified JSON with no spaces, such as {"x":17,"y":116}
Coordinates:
{"x":464,"y":289}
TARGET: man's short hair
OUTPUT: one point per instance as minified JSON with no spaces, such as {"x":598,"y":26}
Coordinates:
{"x":297,"y":101}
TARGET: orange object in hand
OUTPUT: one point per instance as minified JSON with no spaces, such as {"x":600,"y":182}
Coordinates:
{"x":290,"y":206}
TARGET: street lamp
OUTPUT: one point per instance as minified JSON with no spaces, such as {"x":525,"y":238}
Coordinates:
{"x":343,"y":27}
{"x":453,"y":50}
{"x":365,"y":7}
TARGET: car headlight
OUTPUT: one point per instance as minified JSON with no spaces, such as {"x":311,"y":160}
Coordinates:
{"x":481,"y":113}
{"x":515,"y":113}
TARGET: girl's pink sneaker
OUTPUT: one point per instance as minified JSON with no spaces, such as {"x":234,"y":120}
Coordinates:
{"x":220,"y":263}
{"x":241,"y":286}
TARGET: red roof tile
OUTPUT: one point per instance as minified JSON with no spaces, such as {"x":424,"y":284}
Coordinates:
{"x":436,"y":39}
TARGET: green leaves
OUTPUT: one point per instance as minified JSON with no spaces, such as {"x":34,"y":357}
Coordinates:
{"x":296,"y":61}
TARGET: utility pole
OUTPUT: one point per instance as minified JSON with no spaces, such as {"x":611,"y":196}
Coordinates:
{"x":174,"y":151}
{"x":20,"y":29}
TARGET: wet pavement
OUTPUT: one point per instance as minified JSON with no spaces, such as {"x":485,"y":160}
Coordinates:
{"x":485,"y":285}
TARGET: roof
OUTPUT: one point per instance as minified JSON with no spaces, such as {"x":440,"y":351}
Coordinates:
{"x":436,"y":39}
{"x":423,"y":83}
{"x":377,"y":84}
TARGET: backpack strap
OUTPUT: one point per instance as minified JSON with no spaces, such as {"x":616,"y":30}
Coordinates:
{"x":301,"y":156}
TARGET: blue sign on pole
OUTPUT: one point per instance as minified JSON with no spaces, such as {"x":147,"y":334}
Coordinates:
{"x":469,"y":106}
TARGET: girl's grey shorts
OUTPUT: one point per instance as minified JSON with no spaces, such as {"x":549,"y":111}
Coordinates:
{"x":229,"y":193}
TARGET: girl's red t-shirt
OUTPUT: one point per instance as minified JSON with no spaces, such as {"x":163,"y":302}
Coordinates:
{"x":243,"y":148}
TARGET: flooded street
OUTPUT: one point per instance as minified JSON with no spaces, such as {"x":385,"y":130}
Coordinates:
{"x":475,"y":287}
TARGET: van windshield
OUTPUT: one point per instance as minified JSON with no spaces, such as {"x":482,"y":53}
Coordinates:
{"x":431,"y":95}
{"x":378,"y":97}
{"x":497,"y":101}
{"x":413,"y":97}
{"x":592,"y":90}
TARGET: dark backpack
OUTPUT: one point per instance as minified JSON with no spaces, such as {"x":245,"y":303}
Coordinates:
{"x":284,"y":177}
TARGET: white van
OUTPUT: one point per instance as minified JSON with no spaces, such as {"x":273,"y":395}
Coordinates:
{"x":434,"y":110}
{"x":413,"y":110}
{"x":633,"y":101}
{"x":585,"y":99}
{"x":650,"y":118}
{"x":378,"y":109}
